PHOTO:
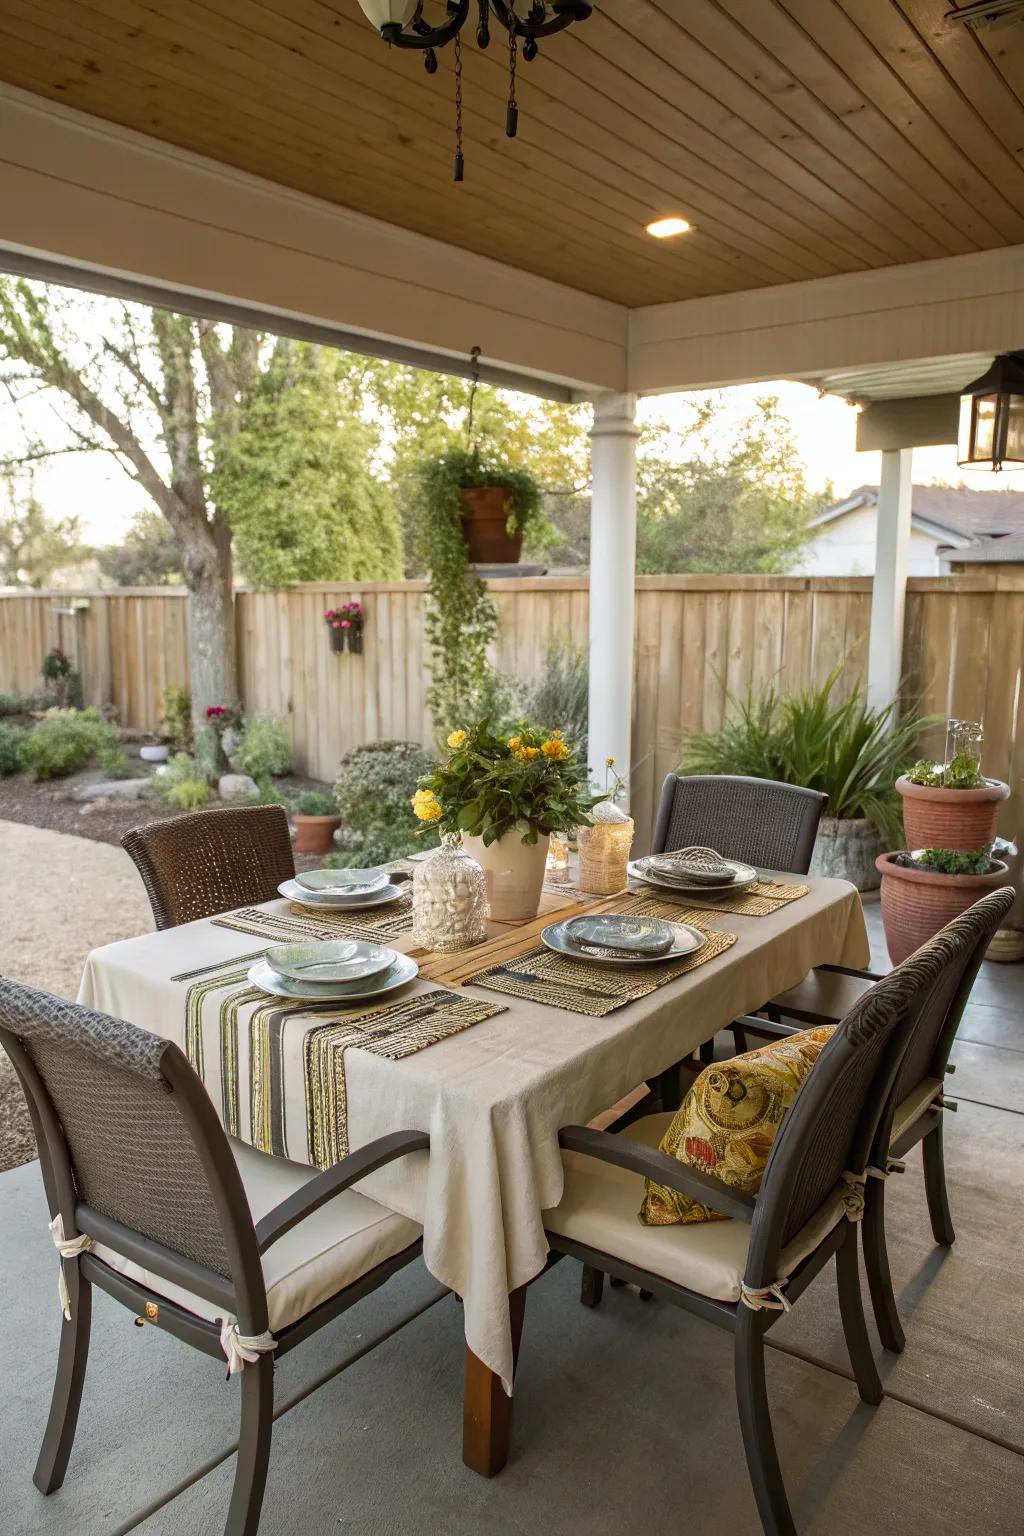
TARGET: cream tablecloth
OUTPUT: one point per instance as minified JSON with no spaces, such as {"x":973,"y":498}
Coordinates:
{"x":494,"y":1097}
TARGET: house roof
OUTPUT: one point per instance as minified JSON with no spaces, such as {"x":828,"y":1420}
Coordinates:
{"x":1004,"y":551}
{"x":953,"y":513}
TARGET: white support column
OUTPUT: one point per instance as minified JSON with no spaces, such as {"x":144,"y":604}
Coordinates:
{"x":888,"y":595}
{"x":612,"y":581}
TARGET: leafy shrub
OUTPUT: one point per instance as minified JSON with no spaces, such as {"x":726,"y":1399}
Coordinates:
{"x":848,"y":751}
{"x":266,"y":746}
{"x":313,"y":802}
{"x":961,"y":772}
{"x":12,"y":749}
{"x":376,"y":783}
{"x":15,"y":704}
{"x":560,"y":696}
{"x":113,"y":761}
{"x":64,"y":740}
{"x":948,"y":861}
{"x":183,"y":785}
{"x":176,"y":722}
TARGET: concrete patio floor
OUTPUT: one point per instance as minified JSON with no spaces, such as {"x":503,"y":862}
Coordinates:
{"x":625,"y":1418}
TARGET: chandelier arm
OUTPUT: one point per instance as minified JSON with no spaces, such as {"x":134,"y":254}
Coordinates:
{"x":564,"y":16}
{"x":432,"y":37}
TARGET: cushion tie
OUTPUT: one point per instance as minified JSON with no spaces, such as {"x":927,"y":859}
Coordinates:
{"x":68,"y":1248}
{"x":242,"y":1349}
{"x":852,"y":1194}
{"x":765,"y":1298}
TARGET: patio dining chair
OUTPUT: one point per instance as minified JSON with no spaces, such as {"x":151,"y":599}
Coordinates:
{"x":917,"y":1112}
{"x":743,"y":1273}
{"x":238,"y":1254}
{"x":211,"y":861}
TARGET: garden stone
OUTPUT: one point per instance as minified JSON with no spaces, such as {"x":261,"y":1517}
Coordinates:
{"x":237,"y":786}
{"x":120,"y":789}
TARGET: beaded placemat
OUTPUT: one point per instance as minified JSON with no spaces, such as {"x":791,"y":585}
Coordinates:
{"x":384,"y":922}
{"x":759,"y":900}
{"x":579,"y":987}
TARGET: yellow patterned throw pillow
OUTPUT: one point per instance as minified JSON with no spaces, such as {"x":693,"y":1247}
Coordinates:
{"x":728,"y":1121}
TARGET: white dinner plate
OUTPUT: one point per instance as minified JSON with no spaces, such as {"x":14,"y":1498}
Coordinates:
{"x":402,"y":970}
{"x":332,"y":900}
{"x":687,"y":940}
{"x":329,"y":961}
{"x":343,"y":882}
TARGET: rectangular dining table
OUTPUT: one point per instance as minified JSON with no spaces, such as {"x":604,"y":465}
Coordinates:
{"x":492,"y":1097}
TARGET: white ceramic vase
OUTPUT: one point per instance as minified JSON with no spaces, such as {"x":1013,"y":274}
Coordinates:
{"x":514,"y":874}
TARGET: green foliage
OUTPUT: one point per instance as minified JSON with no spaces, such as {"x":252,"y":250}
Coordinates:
{"x":294,"y":481}
{"x":532,"y":783}
{"x":313,"y":802}
{"x":147,"y":555}
{"x":113,"y":761}
{"x":376,"y":782}
{"x":176,"y":721}
{"x":948,"y":861}
{"x":742,"y":506}
{"x":183,"y":786}
{"x":56,"y":666}
{"x":562,"y":691}
{"x":15,"y":704}
{"x":64,"y":740}
{"x":846,"y":750}
{"x":34,"y":545}
{"x":266,"y":747}
{"x":12,"y":748}
{"x":961,"y":772}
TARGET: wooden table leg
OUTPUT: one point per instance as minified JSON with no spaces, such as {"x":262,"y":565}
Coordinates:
{"x":486,"y":1410}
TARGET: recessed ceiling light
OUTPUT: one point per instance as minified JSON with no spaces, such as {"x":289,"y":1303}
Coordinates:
{"x":663,"y":229}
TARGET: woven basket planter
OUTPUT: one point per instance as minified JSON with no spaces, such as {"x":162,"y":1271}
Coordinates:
{"x":962,"y":819}
{"x":916,"y":903}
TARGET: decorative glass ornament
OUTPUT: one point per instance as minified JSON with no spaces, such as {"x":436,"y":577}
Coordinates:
{"x":557,"y":869}
{"x":604,"y":850}
{"x":449,"y":908}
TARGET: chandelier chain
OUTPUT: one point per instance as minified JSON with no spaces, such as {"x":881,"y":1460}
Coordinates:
{"x":460,"y":162}
{"x":512,"y":113}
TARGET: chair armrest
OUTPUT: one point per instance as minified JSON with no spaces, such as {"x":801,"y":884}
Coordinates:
{"x":754,"y":1026}
{"x":332,"y":1182}
{"x":637,"y":1158}
{"x":850,"y":970}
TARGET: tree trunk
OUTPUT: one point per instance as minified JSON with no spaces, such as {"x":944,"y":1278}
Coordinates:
{"x":211,"y":626}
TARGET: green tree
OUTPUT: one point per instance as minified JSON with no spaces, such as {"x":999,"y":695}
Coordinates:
{"x":32,"y":543}
{"x":294,"y":479}
{"x":147,"y":556}
{"x":737,"y":503}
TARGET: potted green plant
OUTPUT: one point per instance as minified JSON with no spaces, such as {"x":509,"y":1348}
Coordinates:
{"x":951,"y":804}
{"x":506,"y":795}
{"x":316,"y":821}
{"x":490,"y":504}
{"x":922,"y":891}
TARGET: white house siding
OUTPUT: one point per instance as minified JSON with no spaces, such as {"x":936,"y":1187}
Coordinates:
{"x":846,"y":547}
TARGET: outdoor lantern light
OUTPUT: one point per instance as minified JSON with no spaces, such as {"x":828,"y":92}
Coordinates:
{"x":401,"y":22}
{"x":992,"y":416}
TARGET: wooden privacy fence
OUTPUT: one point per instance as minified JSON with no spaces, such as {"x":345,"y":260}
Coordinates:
{"x":698,"y":639}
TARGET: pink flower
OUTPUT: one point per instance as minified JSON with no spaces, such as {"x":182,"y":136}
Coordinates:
{"x":335,"y":624}
{"x":329,"y":615}
{"x":214,"y":711}
{"x":345,"y":624}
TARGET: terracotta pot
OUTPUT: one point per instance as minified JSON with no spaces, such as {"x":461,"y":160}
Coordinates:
{"x":513,"y":874}
{"x":485,"y":510}
{"x":962,"y":819}
{"x":916,"y":903}
{"x":315,"y":834}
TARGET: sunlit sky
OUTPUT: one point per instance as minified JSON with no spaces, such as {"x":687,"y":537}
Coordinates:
{"x":95,"y":488}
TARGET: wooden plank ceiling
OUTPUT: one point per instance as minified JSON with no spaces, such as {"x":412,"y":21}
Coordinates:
{"x":801,"y":138}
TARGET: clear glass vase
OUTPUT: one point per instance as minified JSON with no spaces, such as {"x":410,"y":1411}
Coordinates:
{"x":449,"y":909}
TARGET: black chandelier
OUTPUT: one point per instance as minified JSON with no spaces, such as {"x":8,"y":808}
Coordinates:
{"x":401,"y":23}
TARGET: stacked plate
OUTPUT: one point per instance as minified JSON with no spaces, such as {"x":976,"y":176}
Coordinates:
{"x":341,"y":888}
{"x":606,"y":938}
{"x":331,"y":970}
{"x":692,"y":876}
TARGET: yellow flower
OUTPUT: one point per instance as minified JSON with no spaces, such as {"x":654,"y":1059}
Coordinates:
{"x":555,"y":749}
{"x":557,"y":735}
{"x":515,"y":742}
{"x":529,"y":753}
{"x":428,"y":810}
{"x":609,"y":762}
{"x":423,"y":795}
{"x":456,"y":739}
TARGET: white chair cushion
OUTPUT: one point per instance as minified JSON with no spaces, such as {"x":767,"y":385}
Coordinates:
{"x":600,"y":1205}
{"x":331,"y":1249}
{"x":916,"y":1103}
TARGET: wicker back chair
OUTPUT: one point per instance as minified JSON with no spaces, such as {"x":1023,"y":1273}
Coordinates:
{"x":193,"y":866}
{"x":764,"y":823}
{"x":814,"y":1180}
{"x":150,"y":1201}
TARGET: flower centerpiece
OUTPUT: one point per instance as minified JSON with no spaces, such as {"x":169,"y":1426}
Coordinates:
{"x":345,"y":626}
{"x":506,"y":795}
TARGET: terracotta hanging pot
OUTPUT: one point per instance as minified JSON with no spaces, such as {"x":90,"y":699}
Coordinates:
{"x":485,"y":512}
{"x":962,"y":819}
{"x":916,"y":903}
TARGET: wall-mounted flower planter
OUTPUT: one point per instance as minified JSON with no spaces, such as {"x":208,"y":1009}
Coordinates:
{"x":962,"y":819}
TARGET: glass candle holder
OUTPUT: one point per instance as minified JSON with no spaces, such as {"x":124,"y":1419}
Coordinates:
{"x":449,"y":906}
{"x":557,"y":866}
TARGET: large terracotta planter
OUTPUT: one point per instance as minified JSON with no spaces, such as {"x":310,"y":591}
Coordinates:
{"x":962,"y":819}
{"x":485,"y":510}
{"x":315,"y":834}
{"x":847,"y":850}
{"x":916,"y":903}
{"x":513,"y":873}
